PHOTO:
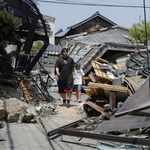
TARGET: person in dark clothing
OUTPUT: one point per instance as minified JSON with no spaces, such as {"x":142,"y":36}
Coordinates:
{"x":60,"y":55}
{"x":66,"y":74}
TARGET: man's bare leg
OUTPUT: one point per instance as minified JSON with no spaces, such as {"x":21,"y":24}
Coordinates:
{"x":79,"y":95}
{"x":64,"y":98}
{"x":69,"y":94}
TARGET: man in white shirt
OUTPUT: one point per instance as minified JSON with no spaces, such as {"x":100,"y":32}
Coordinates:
{"x":78,"y":81}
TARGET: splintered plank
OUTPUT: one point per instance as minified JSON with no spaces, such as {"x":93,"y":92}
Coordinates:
{"x":96,"y":107}
{"x":112,"y":99}
{"x":108,"y":87}
{"x":86,"y":78}
{"x":102,"y":60}
{"x":92,"y":77}
{"x":28,"y":90}
{"x":92,"y":91}
{"x":99,"y":72}
{"x":116,"y":66}
{"x":88,"y":92}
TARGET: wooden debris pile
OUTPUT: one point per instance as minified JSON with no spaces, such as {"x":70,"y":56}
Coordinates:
{"x":109,"y":88}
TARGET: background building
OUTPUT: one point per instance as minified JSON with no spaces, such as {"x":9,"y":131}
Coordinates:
{"x":51,"y":22}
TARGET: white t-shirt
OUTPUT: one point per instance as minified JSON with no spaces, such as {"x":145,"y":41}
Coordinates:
{"x":78,"y":76}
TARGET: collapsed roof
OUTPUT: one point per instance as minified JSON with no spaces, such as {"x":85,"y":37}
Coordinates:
{"x":34,"y":28}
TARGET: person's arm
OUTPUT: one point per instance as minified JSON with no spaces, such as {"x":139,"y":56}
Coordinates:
{"x":56,"y":77}
{"x":57,"y":72}
{"x":83,"y":80}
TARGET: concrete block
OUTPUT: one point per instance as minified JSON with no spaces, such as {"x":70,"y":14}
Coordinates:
{"x":13,"y":118}
{"x":3,"y":114}
{"x":47,"y":111}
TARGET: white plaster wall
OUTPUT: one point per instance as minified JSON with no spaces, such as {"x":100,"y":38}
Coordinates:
{"x":51,"y":22}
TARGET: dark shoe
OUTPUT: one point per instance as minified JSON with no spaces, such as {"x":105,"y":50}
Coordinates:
{"x":64,"y":102}
{"x":68,"y":103}
{"x":68,"y":106}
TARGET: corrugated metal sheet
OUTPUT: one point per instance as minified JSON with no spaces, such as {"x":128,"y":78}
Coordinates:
{"x":140,"y":98}
{"x":113,"y":36}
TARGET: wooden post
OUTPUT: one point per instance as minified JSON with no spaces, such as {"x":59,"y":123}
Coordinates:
{"x":112,"y":99}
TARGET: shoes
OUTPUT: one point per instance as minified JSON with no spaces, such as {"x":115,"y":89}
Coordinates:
{"x":79,"y":101}
{"x":64,"y":102}
{"x":68,"y":106}
{"x":68,"y":103}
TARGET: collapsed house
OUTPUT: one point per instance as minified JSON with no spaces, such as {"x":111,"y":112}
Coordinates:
{"x":118,"y":105}
{"x":115,"y":71}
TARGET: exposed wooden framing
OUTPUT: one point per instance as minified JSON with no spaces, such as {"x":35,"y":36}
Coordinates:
{"x":28,"y":90}
{"x":98,"y":92}
{"x":102,"y":60}
{"x":116,"y":66}
{"x":99,"y":72}
{"x":92,"y":91}
{"x":86,"y":78}
{"x":131,"y":110}
{"x":96,"y":107}
{"x":88,"y":92}
{"x":108,"y":87}
{"x":92,"y":77}
{"x":112,"y":99}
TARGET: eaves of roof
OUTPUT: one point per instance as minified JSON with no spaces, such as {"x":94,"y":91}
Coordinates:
{"x":97,"y":14}
{"x":62,"y":34}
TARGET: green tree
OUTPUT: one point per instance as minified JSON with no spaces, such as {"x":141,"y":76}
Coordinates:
{"x":38,"y":45}
{"x":8,"y":25}
{"x":137,"y":31}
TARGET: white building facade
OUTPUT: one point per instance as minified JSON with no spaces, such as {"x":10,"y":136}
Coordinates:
{"x":51,"y":22}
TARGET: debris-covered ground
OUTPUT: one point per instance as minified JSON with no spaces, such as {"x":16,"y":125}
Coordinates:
{"x":114,"y":113}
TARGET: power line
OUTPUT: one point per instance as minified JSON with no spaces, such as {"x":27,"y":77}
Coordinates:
{"x":89,"y":4}
{"x":67,"y":15}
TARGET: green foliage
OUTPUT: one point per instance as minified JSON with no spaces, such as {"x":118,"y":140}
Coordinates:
{"x":137,"y":31}
{"x":8,"y":25}
{"x":38,"y":46}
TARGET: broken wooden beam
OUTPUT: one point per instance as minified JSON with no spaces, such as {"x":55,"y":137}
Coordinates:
{"x":108,"y":87}
{"x":96,"y":107}
{"x":86,"y":78}
{"x":112,"y":99}
{"x":88,"y":92}
{"x":92,"y":77}
{"x":102,"y":60}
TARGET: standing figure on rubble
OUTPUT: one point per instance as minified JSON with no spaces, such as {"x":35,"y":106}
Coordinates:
{"x":78,"y":81}
{"x":66,"y":74}
{"x":60,"y":55}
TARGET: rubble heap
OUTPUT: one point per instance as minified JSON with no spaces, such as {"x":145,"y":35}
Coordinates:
{"x":14,"y":110}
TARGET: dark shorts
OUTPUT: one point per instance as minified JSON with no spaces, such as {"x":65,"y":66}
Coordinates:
{"x":65,"y":86}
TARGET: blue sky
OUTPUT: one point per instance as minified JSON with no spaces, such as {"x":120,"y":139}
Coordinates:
{"x":67,"y":15}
